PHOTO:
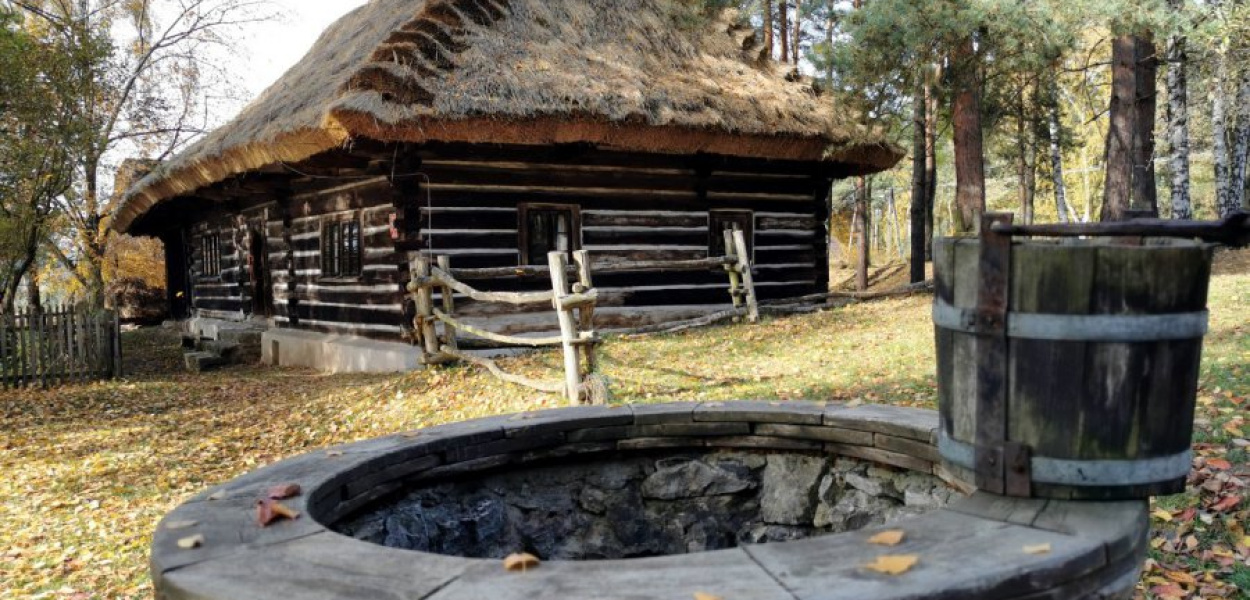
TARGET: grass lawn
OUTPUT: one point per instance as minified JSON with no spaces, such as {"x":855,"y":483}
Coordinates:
{"x":88,"y":470}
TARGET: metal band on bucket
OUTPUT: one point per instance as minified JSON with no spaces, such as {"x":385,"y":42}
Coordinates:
{"x":1089,"y":328}
{"x":1087,"y":473}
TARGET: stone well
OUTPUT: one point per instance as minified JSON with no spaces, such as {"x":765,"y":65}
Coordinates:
{"x":739,"y":500}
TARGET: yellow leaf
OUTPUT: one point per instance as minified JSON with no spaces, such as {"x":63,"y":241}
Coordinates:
{"x":1245,"y":541}
{"x":520,"y":562}
{"x":1038,"y":549}
{"x":1162,"y":515}
{"x":887,"y":538}
{"x":1181,"y":577}
{"x":893,"y":564}
{"x":189,"y":542}
{"x":705,"y":596}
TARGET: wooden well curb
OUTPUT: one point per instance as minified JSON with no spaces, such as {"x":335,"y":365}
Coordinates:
{"x":973,"y":549}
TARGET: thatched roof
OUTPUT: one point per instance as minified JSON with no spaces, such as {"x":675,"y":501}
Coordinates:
{"x":637,"y":75}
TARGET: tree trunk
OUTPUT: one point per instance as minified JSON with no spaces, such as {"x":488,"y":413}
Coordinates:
{"x":1117,"y":194}
{"x":1219,"y":133}
{"x":1056,"y":164}
{"x":1024,"y":166}
{"x":930,"y":160}
{"x":863,"y":222}
{"x":1178,"y":124}
{"x":830,"y":22}
{"x":783,"y":27}
{"x":969,"y":144}
{"x":1241,"y":149}
{"x":796,"y":38}
{"x":1145,"y":192}
{"x":919,"y":187}
{"x":768,"y":26}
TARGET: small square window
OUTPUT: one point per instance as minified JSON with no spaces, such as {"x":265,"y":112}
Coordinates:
{"x":341,"y":248}
{"x":720,"y":221}
{"x":548,"y":228}
{"x":210,"y":255}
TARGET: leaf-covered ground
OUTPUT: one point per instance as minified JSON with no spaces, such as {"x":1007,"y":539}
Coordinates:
{"x":86,"y":471}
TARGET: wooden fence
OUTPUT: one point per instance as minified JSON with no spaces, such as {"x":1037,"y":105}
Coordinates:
{"x":574,"y":305}
{"x":58,"y":346}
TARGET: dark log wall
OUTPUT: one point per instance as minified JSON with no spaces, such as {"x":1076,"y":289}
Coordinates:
{"x":368,"y":305}
{"x":651,"y":209}
{"x":217,"y":295}
{"x":464,"y":204}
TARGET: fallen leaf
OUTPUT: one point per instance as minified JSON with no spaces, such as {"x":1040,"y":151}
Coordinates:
{"x":193,"y":541}
{"x":218,"y":495}
{"x":1181,"y":577}
{"x":893,"y":564}
{"x":705,"y":596}
{"x":283,"y":491}
{"x":1038,"y":549}
{"x":1162,"y":515}
{"x":520,"y":562}
{"x":1219,"y":464}
{"x":1228,"y":503}
{"x":268,"y":511}
{"x":887,"y":538}
{"x":176,"y":525}
{"x":334,"y":453}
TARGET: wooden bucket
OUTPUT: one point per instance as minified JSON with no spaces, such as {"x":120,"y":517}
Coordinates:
{"x":1096,"y":371}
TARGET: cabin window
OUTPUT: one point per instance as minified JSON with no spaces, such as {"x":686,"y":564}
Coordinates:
{"x":210,"y":256}
{"x":548,"y":228}
{"x":341,"y":248}
{"x":720,"y":221}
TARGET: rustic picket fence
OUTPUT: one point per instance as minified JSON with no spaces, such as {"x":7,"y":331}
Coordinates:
{"x":58,"y":345}
{"x":574,"y":304}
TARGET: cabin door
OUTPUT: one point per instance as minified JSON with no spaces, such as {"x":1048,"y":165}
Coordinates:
{"x":262,"y":285}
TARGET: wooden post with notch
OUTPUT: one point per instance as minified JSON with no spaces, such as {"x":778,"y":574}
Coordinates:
{"x":735,"y":279}
{"x":449,"y":306}
{"x":748,"y":278}
{"x":426,"y":330}
{"x":586,"y":313}
{"x":558,"y":262}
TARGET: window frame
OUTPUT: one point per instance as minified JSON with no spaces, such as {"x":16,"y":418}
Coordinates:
{"x":523,"y":233}
{"x":716,"y":215}
{"x":210,"y":256}
{"x":331,"y":264}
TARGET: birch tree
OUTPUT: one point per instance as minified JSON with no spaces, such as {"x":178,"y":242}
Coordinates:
{"x":1178,"y":120}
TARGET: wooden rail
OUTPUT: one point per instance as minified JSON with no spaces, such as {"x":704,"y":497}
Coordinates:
{"x":58,"y":346}
{"x":574,"y":306}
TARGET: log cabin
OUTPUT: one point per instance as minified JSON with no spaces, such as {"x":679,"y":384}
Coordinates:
{"x":493,"y":132}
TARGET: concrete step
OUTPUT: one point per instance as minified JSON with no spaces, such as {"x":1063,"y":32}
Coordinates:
{"x":198,"y":362}
{"x":228,"y":351}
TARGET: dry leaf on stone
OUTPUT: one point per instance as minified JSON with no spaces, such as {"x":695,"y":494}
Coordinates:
{"x":176,"y":525}
{"x":893,"y":564}
{"x":283,"y":491}
{"x":1037,"y":549}
{"x":268,"y":511}
{"x":218,"y":495}
{"x":193,"y":541}
{"x":887,"y":538}
{"x":521,"y":562}
{"x":705,"y":596}
{"x":334,"y":453}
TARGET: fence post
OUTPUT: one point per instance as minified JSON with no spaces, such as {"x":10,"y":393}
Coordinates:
{"x":748,"y":278}
{"x":586,"y":314}
{"x":568,"y":330}
{"x":425,"y":306}
{"x":5,"y":351}
{"x":735,"y":293}
{"x":449,"y":305}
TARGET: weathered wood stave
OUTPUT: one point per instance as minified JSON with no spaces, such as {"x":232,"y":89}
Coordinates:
{"x":1103,"y":419}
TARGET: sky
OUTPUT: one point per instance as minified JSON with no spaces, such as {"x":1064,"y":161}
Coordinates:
{"x":272,"y":47}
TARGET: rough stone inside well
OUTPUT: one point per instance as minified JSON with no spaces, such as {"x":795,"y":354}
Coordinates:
{"x":640,"y":506}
